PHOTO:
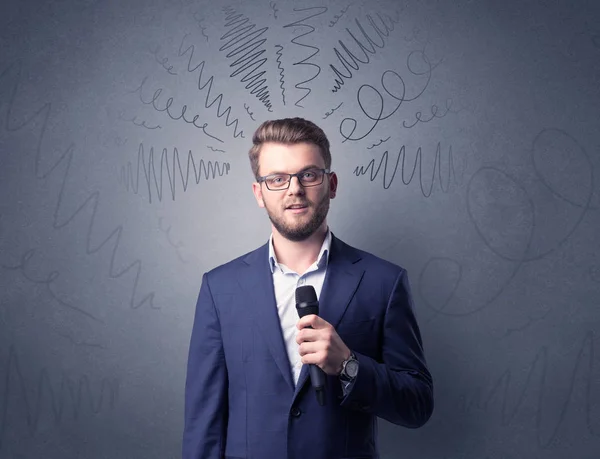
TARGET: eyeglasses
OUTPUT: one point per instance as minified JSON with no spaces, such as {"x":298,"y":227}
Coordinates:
{"x":307,"y":178}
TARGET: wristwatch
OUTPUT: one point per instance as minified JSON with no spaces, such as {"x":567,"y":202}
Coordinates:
{"x":349,"y":368}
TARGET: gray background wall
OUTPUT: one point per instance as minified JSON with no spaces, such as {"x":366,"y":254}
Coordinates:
{"x":466,"y":143}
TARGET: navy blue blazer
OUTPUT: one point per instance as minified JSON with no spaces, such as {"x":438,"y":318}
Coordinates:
{"x":240,"y":399}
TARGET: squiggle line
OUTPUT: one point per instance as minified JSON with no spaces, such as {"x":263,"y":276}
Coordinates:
{"x":209,"y":83}
{"x":280,"y":67}
{"x":73,"y":395}
{"x":361,"y":170}
{"x":249,"y":60}
{"x":91,"y":202}
{"x":505,"y":382}
{"x":339,"y":81}
{"x":323,"y":9}
{"x":210,"y":170}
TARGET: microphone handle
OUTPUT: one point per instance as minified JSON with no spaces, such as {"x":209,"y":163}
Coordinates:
{"x":317,"y":380}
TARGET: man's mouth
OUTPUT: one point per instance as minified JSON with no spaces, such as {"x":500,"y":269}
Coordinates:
{"x":297,"y":206}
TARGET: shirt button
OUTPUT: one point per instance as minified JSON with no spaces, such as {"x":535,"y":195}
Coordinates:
{"x":302,"y":281}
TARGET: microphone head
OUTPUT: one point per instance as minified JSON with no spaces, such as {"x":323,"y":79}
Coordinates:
{"x":306,"y":300}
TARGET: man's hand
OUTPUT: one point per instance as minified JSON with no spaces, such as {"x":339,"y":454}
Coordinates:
{"x":321,"y":345}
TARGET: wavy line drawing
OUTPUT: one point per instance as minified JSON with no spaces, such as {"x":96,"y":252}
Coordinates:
{"x":75,"y":397}
{"x":351,"y":61}
{"x":281,"y":71}
{"x":54,"y":274}
{"x":142,"y":124}
{"x":199,"y":22}
{"x":300,"y":23}
{"x":191,"y":50}
{"x":377,"y":144}
{"x":273,"y":6}
{"x":246,"y":41}
{"x":215,"y":149}
{"x":374,"y":173}
{"x":92,"y":202}
{"x":504,"y":385}
{"x":210,"y":170}
{"x":551,"y":135}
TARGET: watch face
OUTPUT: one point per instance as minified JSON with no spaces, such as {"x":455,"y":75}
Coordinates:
{"x":352,"y":368}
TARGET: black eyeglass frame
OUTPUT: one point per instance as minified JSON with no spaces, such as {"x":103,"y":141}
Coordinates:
{"x":297,"y":174}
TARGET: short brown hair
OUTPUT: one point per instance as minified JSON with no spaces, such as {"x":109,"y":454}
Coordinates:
{"x":288,"y":131}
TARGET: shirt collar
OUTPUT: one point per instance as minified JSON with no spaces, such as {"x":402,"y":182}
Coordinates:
{"x":322,"y":259}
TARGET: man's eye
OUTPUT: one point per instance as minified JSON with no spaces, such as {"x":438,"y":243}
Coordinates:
{"x":309,"y":175}
{"x":277,"y":179}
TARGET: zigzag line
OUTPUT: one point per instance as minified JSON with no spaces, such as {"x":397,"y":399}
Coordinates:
{"x":387,"y":182}
{"x":280,"y":67}
{"x":208,"y":83}
{"x":209,"y":171}
{"x":92,"y":201}
{"x":78,"y":393}
{"x":504,"y":383}
{"x":303,"y":61}
{"x":340,"y":82}
{"x":249,"y":44}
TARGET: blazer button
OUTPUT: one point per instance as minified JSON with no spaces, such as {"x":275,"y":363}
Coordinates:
{"x":296,"y":412}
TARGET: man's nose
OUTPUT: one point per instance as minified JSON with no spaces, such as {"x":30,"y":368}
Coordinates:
{"x":295,"y":186}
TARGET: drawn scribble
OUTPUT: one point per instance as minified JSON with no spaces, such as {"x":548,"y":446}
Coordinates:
{"x":367,"y":90}
{"x":387,"y":180}
{"x":377,"y":144}
{"x":167,"y":108}
{"x":215,"y":149}
{"x":163,"y":62}
{"x":23,"y":267}
{"x":190,"y":68}
{"x":503,"y":392}
{"x":273,"y":6}
{"x":530,"y":321}
{"x":301,"y":23}
{"x":176,"y":245}
{"x":246,"y":42}
{"x":337,"y":17}
{"x":63,"y":164}
{"x":72,"y":399}
{"x":351,"y":61}
{"x":134,"y":121}
{"x":251,"y":114}
{"x":329,"y":113}
{"x":434,"y":114}
{"x":199,"y":21}
{"x":281,"y":74}
{"x":208,"y":170}
{"x":526,"y":213}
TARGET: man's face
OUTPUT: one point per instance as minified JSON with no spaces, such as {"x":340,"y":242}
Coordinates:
{"x":295,"y":224}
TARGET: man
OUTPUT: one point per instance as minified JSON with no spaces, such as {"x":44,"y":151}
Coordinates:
{"x":248,"y":392}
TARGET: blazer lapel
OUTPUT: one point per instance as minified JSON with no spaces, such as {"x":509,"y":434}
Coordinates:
{"x":341,"y":281}
{"x":257,"y":283}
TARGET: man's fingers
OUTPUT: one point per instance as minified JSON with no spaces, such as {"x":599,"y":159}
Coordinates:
{"x":307,"y":334}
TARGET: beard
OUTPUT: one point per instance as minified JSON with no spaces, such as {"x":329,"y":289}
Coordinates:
{"x":298,"y":231}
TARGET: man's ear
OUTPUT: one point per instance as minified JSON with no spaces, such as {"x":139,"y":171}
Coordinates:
{"x":257,"y":190}
{"x":333,"y":184}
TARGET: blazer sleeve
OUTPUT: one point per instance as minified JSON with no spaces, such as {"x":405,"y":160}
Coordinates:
{"x":399,"y":388}
{"x":205,"y":410}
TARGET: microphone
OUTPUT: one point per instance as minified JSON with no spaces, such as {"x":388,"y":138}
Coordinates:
{"x":307,"y":303}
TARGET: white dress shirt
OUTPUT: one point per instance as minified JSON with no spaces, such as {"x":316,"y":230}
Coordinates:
{"x":285,"y":282}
